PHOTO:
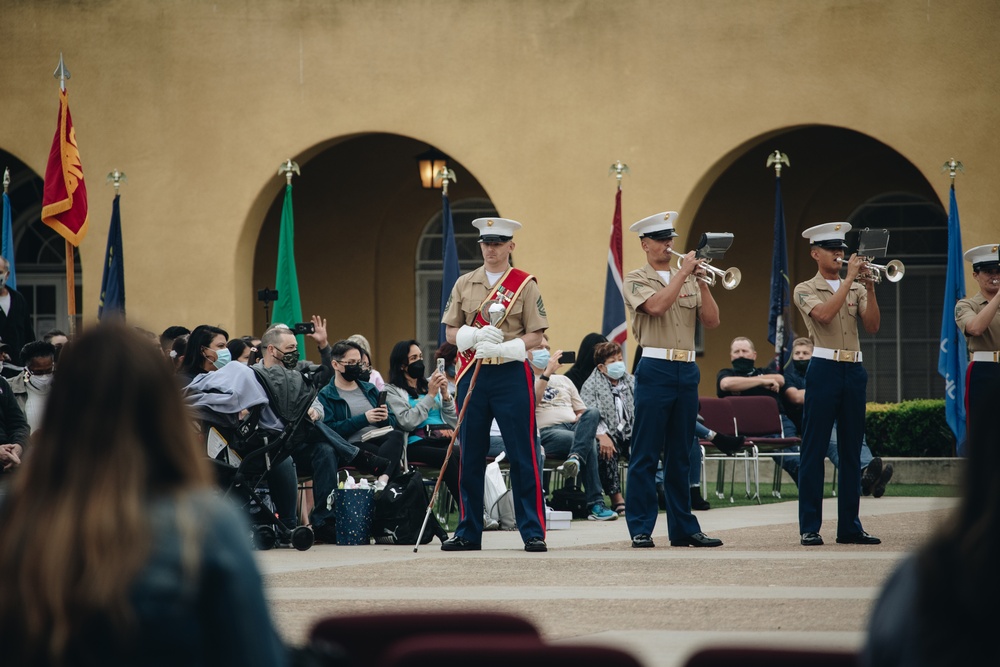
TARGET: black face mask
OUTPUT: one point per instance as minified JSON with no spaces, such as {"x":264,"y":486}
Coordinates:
{"x":366,"y":375}
{"x":352,"y":373}
{"x":800,"y":365}
{"x":743,"y":365}
{"x":415,"y":370}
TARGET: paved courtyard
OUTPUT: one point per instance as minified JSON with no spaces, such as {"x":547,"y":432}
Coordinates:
{"x":592,"y":587}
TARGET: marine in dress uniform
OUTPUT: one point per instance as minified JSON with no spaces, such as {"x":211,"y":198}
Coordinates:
{"x":665,"y":304}
{"x":831,"y":308}
{"x":978,"y":318}
{"x":504,"y":388}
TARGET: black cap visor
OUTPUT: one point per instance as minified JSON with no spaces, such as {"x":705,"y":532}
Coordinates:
{"x":660,"y":234}
{"x":494,"y":238}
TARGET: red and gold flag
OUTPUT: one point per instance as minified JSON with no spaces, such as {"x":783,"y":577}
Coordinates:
{"x":64,"y":200}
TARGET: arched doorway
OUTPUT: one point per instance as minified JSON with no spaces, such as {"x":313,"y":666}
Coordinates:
{"x":361,"y":214}
{"x":835,"y":174}
{"x":39,"y":252}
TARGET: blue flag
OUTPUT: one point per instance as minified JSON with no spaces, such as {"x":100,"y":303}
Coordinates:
{"x":778,"y":330}
{"x":8,"y":243}
{"x":112,"y":303}
{"x":449,"y":273}
{"x":953,"y":357}
{"x":614,"y":327}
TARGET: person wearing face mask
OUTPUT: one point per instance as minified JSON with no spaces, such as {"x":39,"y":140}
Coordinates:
{"x":31,"y":387}
{"x":742,"y":379}
{"x":874,"y":475}
{"x":567,"y":427}
{"x":370,"y":375}
{"x":15,"y":319}
{"x":206,"y":351}
{"x":424,"y":409}
{"x":351,"y":409}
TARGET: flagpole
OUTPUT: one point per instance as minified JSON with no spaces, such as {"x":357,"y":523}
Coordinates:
{"x":449,"y":251}
{"x":777,"y":158}
{"x":614,"y":325}
{"x":62,"y":74}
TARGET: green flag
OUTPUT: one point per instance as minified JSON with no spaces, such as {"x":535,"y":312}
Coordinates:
{"x":288,"y":308}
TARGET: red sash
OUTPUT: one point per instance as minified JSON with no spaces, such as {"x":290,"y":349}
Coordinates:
{"x":506,"y":291}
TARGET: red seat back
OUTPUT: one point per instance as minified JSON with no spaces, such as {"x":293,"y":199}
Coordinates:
{"x":768,"y":657}
{"x":491,"y":651}
{"x":756,"y":415}
{"x":718,"y":415}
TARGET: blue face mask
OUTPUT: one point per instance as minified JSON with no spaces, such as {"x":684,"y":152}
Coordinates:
{"x":540,"y":358}
{"x":616,"y":369}
{"x":223,"y":357}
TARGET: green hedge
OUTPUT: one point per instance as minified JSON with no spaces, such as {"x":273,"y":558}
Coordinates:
{"x":910,"y":428}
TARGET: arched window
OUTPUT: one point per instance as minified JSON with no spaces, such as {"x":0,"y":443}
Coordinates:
{"x":901,"y":359}
{"x":429,"y":261}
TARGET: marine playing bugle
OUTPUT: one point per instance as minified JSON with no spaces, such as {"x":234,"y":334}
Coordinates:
{"x":730,"y":277}
{"x":893,"y":270}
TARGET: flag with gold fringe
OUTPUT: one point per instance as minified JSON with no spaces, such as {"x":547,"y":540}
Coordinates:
{"x":64,"y":198}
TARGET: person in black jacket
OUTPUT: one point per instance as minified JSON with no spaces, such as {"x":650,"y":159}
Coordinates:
{"x":15,"y":320}
{"x":13,"y":429}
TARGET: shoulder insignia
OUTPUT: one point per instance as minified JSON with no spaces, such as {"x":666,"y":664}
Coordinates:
{"x":802,"y":298}
{"x":541,"y":306}
{"x":635,"y":287}
{"x":958,"y":309}
{"x":450,"y":299}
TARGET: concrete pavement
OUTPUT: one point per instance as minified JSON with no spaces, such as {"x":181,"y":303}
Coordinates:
{"x":592,"y":587}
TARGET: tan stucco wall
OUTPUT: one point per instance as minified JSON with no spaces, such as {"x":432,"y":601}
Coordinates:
{"x":199,"y":102}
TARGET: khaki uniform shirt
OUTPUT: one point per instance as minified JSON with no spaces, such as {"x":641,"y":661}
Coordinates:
{"x":673,"y":329}
{"x":526,"y":313}
{"x":842,"y":331}
{"x":968,"y":308}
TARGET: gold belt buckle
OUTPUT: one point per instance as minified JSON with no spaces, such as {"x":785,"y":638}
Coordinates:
{"x":492,"y":361}
{"x":679,"y":355}
{"x":845,"y":355}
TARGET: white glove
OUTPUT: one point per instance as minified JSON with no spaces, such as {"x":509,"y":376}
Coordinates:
{"x":512,"y":350}
{"x":466,"y":337}
{"x":489,"y":334}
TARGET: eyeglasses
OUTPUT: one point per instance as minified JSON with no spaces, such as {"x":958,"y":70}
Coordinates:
{"x":352,"y":364}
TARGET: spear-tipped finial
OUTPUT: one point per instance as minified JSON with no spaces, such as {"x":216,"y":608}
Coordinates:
{"x":116,"y":178}
{"x":953,"y":166}
{"x":288,"y":168}
{"x":61,"y":72}
{"x":6,"y":179}
{"x":619,"y":169}
{"x":777,"y":158}
{"x":447,"y":176}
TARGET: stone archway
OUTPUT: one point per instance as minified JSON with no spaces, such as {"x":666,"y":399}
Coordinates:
{"x":360,"y":211}
{"x":835,"y":174}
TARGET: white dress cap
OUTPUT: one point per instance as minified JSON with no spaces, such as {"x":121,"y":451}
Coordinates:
{"x":983,"y":255}
{"x":657,"y":227}
{"x":828,"y":235}
{"x":496,"y":230}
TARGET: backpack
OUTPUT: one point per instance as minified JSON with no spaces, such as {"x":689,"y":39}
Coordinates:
{"x":400,"y":510}
{"x":570,"y":499}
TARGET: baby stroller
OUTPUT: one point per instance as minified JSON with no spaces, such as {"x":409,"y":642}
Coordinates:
{"x":246,"y":449}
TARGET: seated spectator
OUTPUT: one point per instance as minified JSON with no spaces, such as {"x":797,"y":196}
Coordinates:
{"x":176,"y":354}
{"x":114,"y":548}
{"x":937,"y":608}
{"x":170,"y":334}
{"x":255,"y":349}
{"x":567,"y":428}
{"x":373,"y":375}
{"x":874,"y":476}
{"x":205,"y":351}
{"x":240,"y":351}
{"x":424,"y":409}
{"x":352,"y":410}
{"x":609,"y":390}
{"x":31,"y":388}
{"x":449,"y":353}
{"x":742,"y":379}
{"x":583,"y":367}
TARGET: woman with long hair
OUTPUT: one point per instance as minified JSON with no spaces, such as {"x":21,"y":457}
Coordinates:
{"x":424,"y":409}
{"x":584,"y":365}
{"x":206,"y":351}
{"x":114,"y":548}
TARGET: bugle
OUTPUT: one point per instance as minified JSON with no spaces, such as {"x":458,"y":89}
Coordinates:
{"x":730,"y":277}
{"x":893,"y":270}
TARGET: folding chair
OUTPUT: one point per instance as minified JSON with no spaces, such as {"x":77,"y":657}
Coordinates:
{"x":366,"y":638}
{"x":771,"y":657}
{"x":718,"y":416}
{"x":759,"y":420}
{"x":488,"y":650}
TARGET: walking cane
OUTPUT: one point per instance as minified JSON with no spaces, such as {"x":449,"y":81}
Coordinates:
{"x":494,"y":311}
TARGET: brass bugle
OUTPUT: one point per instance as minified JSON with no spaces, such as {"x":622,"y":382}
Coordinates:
{"x":894,"y":270}
{"x":731,"y":277}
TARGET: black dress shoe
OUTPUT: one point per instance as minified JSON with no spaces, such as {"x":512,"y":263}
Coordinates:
{"x":879,"y":490}
{"x":870,"y":475}
{"x":697,"y":502}
{"x":728,"y":444}
{"x":696,"y":540}
{"x":642,"y":541}
{"x":535,"y":544}
{"x":859,"y":538}
{"x":812,"y":540}
{"x":457,"y":543}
